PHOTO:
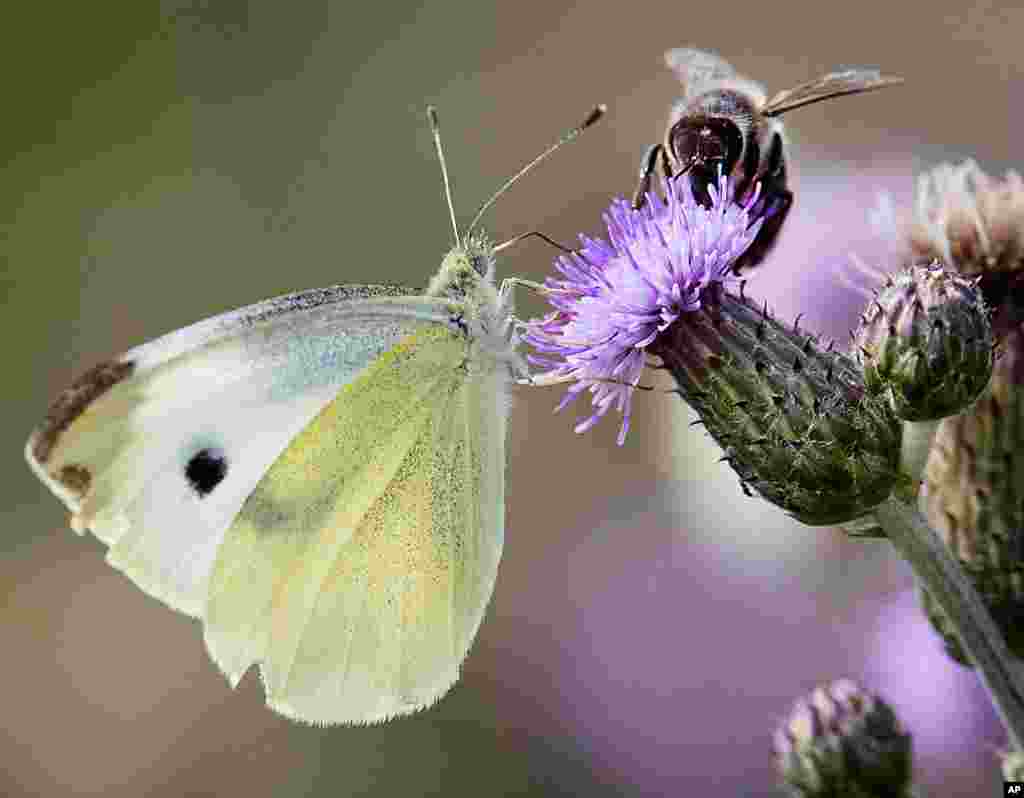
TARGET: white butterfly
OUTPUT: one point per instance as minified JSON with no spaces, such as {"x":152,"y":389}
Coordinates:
{"x":318,"y":477}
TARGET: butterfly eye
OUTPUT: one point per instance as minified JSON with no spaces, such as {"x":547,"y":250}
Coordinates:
{"x":206,"y":470}
{"x":480,"y":264}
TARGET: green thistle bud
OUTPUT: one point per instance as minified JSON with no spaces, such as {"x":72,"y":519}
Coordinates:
{"x":926,"y":340}
{"x":795,"y":419}
{"x":974,"y":495}
{"x":843,"y":742}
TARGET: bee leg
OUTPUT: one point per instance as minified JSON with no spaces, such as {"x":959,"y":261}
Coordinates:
{"x":773,"y":206}
{"x":654,"y":154}
{"x":666,"y":166}
{"x":777,"y":205}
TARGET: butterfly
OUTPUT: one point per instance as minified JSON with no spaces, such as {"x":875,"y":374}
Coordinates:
{"x":318,"y":477}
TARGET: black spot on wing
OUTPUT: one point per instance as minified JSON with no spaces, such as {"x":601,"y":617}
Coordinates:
{"x":73,"y":401}
{"x":206,"y":470}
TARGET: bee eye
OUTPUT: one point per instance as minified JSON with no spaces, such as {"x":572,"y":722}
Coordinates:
{"x":709,"y":141}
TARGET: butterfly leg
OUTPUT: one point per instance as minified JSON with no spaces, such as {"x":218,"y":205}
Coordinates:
{"x":522,"y":236}
{"x":512,"y":328}
{"x":513,"y":325}
{"x":509,"y":284}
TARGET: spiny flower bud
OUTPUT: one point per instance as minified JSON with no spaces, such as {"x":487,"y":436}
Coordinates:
{"x":843,"y":742}
{"x":795,"y":420}
{"x":927,"y":340}
{"x":974,"y":494}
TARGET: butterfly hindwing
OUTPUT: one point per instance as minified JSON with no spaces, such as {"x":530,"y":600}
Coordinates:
{"x":358,"y":571}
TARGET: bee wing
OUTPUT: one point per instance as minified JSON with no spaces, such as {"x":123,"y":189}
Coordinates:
{"x":834,"y":84}
{"x":698,"y":69}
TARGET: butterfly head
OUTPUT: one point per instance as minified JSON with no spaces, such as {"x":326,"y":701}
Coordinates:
{"x":467,"y":267}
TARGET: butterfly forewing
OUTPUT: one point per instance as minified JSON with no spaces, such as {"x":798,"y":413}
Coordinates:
{"x":155,"y":452}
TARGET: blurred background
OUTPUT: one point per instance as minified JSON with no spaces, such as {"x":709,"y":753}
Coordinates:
{"x":165,"y":162}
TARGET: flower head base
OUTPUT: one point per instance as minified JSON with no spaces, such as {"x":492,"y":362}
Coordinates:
{"x":843,"y":741}
{"x":617,"y":298}
{"x":970,"y":221}
{"x":795,"y":419}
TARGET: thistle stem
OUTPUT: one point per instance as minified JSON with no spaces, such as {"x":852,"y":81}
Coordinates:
{"x":916,"y":443}
{"x":941,"y":575}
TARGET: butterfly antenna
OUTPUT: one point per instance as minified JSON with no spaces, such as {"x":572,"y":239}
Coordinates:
{"x":435,"y":128}
{"x":592,"y":117}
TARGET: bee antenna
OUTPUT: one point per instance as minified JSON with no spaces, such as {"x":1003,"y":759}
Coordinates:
{"x":435,"y":128}
{"x":597,"y":112}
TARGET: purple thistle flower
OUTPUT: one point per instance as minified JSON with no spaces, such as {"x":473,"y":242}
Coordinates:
{"x":616,"y":299}
{"x":796,"y":421}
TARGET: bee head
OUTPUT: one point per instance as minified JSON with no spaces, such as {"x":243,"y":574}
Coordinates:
{"x":704,"y":147}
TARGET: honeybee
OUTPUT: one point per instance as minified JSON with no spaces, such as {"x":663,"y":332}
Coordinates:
{"x":726,"y":122}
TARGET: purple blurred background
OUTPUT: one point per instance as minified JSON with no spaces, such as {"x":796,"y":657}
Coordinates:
{"x":651,"y":625}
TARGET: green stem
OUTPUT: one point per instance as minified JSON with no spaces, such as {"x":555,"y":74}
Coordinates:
{"x":941,"y":575}
{"x":915,"y":446}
